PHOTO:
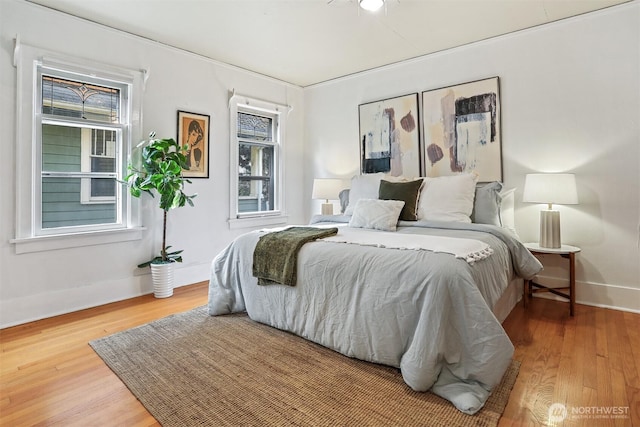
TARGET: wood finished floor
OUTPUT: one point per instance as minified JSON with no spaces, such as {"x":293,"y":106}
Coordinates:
{"x":50,"y":376}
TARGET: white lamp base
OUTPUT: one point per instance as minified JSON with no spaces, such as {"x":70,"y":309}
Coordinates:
{"x":550,"y":229}
{"x":327,"y":209}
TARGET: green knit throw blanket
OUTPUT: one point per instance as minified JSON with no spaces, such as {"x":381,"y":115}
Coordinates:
{"x":275,"y":257}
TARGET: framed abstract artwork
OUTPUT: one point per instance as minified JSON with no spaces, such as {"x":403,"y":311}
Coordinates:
{"x":389,"y":136}
{"x":462,"y":130}
{"x":193,"y":130}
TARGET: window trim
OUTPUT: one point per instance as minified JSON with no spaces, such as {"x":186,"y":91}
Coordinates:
{"x":27,"y":60}
{"x":278,"y":112}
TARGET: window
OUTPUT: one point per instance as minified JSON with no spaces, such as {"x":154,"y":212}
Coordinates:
{"x":80,"y":128}
{"x":256,"y":197}
{"x":99,"y":156}
{"x":74,"y":136}
{"x":256,"y":159}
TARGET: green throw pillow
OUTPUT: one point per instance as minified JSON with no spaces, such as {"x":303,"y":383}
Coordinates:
{"x":408,"y":192}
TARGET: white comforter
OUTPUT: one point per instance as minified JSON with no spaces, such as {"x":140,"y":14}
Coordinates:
{"x":427,"y":313}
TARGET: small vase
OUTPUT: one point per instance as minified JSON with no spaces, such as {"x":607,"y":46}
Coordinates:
{"x":162,"y":277}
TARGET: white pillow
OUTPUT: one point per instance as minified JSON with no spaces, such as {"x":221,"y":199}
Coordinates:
{"x":366,"y":187}
{"x":507,"y":210}
{"x":363,"y":187}
{"x":376,"y":214}
{"x":448,"y":198}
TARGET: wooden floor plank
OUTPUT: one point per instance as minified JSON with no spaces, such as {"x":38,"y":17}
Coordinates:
{"x":566,"y":376}
{"x":590,"y":375}
{"x":633,"y":397}
{"x":628,"y":327}
{"x":49,"y":375}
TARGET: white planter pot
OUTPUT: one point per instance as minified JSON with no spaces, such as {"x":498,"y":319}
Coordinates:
{"x":162,"y":277}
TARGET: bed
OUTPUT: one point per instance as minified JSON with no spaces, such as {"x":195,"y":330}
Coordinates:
{"x":434,"y":312}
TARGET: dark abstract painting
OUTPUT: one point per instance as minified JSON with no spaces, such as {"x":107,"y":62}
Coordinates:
{"x":462,"y":130}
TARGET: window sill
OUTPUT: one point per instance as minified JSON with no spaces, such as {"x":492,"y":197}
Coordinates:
{"x":260,"y":221}
{"x":65,"y":241}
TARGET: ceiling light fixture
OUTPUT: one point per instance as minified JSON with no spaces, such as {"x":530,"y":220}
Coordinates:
{"x":371,"y":5}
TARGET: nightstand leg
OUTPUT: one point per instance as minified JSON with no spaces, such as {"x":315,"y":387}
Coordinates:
{"x":572,"y":282}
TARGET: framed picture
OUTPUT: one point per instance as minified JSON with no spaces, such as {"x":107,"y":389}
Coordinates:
{"x":389,"y":136}
{"x":462,"y":130}
{"x":193,"y":130}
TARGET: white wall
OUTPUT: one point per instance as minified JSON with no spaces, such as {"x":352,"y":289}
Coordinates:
{"x":570,"y":103}
{"x":43,"y":284}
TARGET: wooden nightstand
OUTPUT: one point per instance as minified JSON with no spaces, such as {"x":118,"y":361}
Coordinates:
{"x":565,"y":251}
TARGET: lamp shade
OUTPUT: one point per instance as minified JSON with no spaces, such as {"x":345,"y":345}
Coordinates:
{"x":326,"y":188}
{"x":550,"y":188}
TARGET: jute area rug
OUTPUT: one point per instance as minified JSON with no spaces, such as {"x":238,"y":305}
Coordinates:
{"x":191,"y":369}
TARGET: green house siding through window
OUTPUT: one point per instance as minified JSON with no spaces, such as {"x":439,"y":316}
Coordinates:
{"x":63,"y":203}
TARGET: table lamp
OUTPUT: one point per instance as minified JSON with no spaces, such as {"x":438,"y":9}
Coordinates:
{"x":550,"y":188}
{"x":327,"y":189}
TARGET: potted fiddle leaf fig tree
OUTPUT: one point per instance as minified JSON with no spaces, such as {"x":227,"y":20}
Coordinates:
{"x":159,"y":170}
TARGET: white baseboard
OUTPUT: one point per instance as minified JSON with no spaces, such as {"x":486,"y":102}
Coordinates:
{"x":596,"y":294}
{"x":17,"y":311}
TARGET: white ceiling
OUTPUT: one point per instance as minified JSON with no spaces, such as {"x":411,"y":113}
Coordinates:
{"x":310,"y":41}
